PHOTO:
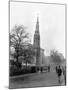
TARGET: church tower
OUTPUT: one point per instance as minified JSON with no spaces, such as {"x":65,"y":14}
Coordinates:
{"x":37,"y":43}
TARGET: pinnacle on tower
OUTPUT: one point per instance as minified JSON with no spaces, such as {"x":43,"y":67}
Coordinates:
{"x":37,"y":20}
{"x":37,"y":35}
{"x":37,"y":26}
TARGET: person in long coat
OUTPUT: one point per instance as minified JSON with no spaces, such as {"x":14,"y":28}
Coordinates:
{"x":59,"y":72}
{"x":64,"y":73}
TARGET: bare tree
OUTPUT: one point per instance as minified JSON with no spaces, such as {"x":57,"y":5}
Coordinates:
{"x":29,"y":54}
{"x":18,"y":39}
{"x":56,"y":57}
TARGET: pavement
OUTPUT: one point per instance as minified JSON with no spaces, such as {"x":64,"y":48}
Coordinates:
{"x":44,"y":79}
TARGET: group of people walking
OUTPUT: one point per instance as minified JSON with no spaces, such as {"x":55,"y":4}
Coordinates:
{"x":59,"y":71}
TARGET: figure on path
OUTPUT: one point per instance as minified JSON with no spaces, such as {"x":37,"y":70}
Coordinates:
{"x":49,"y":68}
{"x":64,"y":73}
{"x":41,"y":69}
{"x":59,"y":73}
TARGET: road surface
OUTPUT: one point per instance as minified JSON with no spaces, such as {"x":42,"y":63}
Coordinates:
{"x":36,"y":80}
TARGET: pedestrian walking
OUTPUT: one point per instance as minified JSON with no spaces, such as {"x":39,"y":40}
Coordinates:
{"x":49,"y":68}
{"x":41,"y":69}
{"x":64,"y":74}
{"x":59,"y":72}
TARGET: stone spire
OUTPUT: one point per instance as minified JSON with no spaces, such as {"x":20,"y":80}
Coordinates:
{"x":37,"y":43}
{"x":37,"y":26}
{"x":37,"y":35}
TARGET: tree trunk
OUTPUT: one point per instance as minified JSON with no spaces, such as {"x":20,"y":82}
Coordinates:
{"x":18,"y":64}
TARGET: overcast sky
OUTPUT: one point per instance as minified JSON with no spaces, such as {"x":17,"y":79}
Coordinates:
{"x":51,"y":22}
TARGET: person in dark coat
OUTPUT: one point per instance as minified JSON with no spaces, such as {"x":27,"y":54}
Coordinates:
{"x":49,"y":68}
{"x":41,"y":69}
{"x":59,"y":72}
{"x":64,"y":73}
